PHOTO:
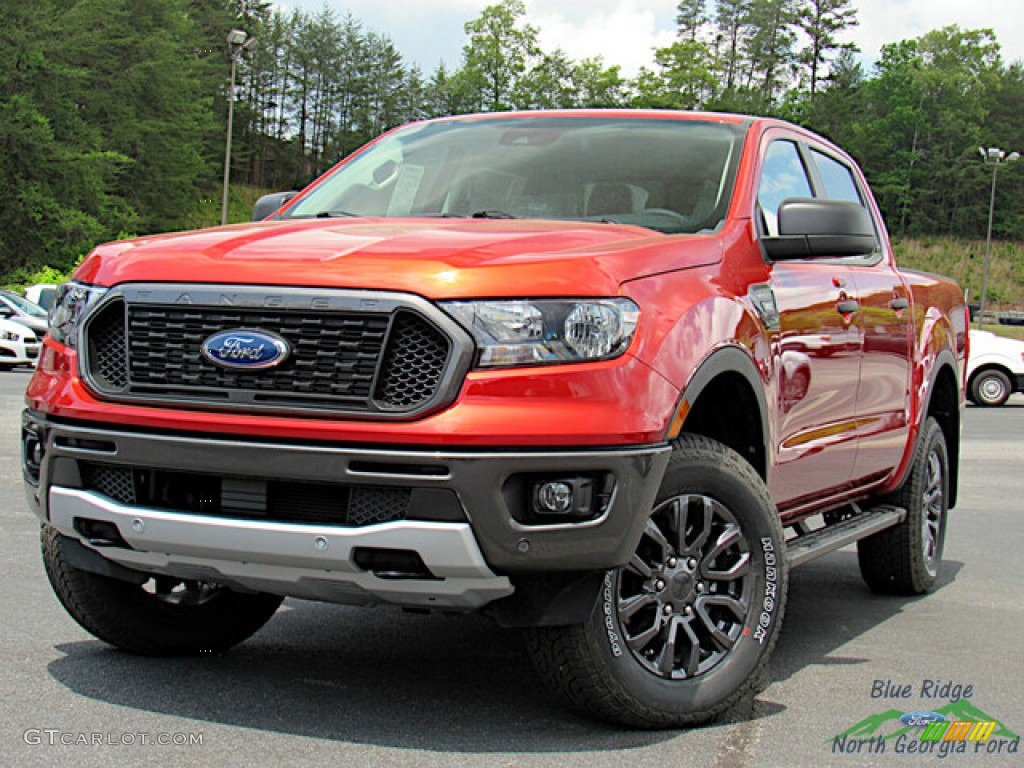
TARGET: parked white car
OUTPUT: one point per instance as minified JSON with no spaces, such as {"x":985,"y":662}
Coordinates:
{"x":19,"y":345}
{"x":995,"y":369}
{"x":21,"y":310}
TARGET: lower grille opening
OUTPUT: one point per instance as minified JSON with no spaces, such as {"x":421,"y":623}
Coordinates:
{"x":391,"y":563}
{"x":100,"y":533}
{"x":249,"y":498}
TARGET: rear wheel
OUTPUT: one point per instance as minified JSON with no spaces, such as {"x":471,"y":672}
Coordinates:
{"x":683,"y":631}
{"x":164,"y":616}
{"x":905,"y":559}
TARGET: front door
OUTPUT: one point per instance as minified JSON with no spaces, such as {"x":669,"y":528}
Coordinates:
{"x":816,"y":351}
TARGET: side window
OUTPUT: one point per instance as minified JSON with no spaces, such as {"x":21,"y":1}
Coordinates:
{"x":782,"y":176}
{"x":837,"y":178}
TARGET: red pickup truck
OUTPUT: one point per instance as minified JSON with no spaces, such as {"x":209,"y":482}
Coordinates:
{"x":604,"y":375}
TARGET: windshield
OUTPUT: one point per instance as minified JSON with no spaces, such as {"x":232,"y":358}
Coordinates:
{"x":25,"y":306}
{"x":664,"y":174}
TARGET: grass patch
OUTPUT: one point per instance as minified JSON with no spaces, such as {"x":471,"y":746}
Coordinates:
{"x":964,"y":261}
{"x":1009,"y":331}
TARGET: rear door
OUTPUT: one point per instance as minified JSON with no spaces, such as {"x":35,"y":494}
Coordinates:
{"x":883,"y":389}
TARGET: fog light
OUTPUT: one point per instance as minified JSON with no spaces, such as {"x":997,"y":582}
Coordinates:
{"x":566,"y":497}
{"x":555,"y":498}
{"x":31,"y":455}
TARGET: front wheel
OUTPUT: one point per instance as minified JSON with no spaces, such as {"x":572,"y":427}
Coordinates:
{"x":684,"y":630}
{"x":163,"y":616}
{"x":990,"y":388}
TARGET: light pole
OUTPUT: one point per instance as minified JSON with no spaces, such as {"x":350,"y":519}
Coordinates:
{"x":236,"y":41}
{"x":995,"y":157}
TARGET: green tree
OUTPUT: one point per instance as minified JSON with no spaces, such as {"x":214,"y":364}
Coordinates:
{"x":273,"y":158}
{"x":836,"y":109}
{"x":822,"y":21}
{"x":731,"y":23}
{"x":925,"y":112}
{"x":58,"y":183}
{"x":1004,"y":128}
{"x":448,"y":93}
{"x":681,"y":79}
{"x":691,"y":16}
{"x":500,"y":52}
{"x":550,"y":84}
{"x":770,"y":38}
{"x":599,"y":86}
{"x":140,"y":88}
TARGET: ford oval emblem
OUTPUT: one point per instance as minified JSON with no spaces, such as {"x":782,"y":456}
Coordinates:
{"x":246,"y":349}
{"x":921,"y":719}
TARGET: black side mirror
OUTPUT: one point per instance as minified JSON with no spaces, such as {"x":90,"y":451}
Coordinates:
{"x":267,"y":204}
{"x":810,"y":228}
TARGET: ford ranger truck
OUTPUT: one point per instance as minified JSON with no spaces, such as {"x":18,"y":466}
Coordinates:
{"x":605,"y":376}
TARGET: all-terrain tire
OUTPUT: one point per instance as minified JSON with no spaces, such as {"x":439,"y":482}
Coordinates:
{"x":163,"y":617}
{"x":905,"y":559}
{"x":685,"y":630}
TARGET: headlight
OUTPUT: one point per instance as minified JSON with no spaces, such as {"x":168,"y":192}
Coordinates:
{"x":544,"y":331}
{"x":69,"y":306}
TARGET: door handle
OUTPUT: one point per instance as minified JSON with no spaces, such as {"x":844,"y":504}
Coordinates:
{"x":847,"y":307}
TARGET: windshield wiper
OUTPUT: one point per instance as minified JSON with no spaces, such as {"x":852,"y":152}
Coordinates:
{"x":491,"y":215}
{"x":335,"y":215}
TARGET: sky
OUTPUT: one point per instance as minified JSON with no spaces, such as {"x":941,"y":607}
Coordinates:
{"x":625,"y":32}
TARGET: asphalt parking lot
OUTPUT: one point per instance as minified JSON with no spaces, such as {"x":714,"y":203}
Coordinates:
{"x":334,"y":686}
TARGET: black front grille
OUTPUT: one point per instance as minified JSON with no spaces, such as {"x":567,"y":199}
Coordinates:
{"x":107,"y":346}
{"x":390,"y":362}
{"x":333,"y":354}
{"x":413,"y":364}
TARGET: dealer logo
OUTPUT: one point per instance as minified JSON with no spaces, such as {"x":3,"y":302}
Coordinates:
{"x":956,"y":728}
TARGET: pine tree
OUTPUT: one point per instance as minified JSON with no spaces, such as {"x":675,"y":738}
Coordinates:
{"x":691,"y":16}
{"x":822,"y":21}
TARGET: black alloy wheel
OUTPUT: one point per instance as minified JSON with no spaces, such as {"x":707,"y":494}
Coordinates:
{"x":684,"y":597}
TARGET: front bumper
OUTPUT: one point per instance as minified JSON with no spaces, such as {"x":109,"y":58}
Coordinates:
{"x":461,"y":519}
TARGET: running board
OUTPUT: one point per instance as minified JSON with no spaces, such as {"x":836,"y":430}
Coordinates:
{"x":803,"y":549}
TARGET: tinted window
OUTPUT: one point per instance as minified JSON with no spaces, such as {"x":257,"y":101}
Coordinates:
{"x":783,"y":176}
{"x":837,"y":178}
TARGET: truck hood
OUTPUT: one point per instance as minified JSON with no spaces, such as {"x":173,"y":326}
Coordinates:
{"x":437,"y":258}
